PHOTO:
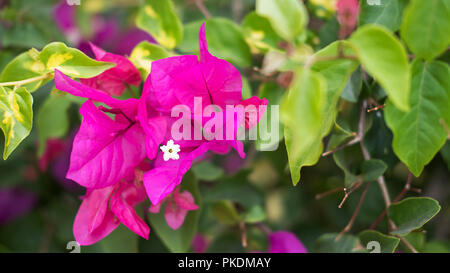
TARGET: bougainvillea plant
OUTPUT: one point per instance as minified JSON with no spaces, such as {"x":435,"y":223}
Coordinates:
{"x":225,"y":126}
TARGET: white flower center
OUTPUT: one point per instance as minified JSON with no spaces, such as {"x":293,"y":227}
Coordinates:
{"x":170,"y":151}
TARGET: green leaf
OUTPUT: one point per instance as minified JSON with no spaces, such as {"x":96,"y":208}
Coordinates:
{"x":246,"y":88}
{"x":16,"y":117}
{"x":267,"y":139}
{"x":345,"y":159}
{"x":288,"y":17}
{"x":412,"y":213}
{"x":388,"y":13}
{"x":309,"y":109}
{"x":144,"y":54}
{"x":26,"y":65}
{"x":179,"y":240}
{"x":207,"y":171}
{"x":23,"y":235}
{"x":329,"y":32}
{"x":225,"y":212}
{"x":71,"y":61}
{"x":387,"y":243}
{"x":420,"y":133}
{"x":121,"y":240}
{"x":436,"y":247}
{"x":416,"y":239}
{"x":340,"y":134}
{"x":372,"y":169}
{"x":24,"y":35}
{"x":327,"y":243}
{"x":336,"y":73}
{"x":426,"y":27}
{"x":259,"y":32}
{"x":302,"y":113}
{"x":158,"y":18}
{"x":225,"y":40}
{"x":378,"y":139}
{"x":353,"y":87}
{"x":445,"y":152}
{"x":152,"y":245}
{"x":237,"y":189}
{"x":52,"y":118}
{"x":385,"y":58}
{"x":254,"y":215}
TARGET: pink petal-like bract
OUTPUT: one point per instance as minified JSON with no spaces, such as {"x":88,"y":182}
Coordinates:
{"x":184,"y":200}
{"x":174,"y":214}
{"x":255,"y":109}
{"x":104,"y":151}
{"x":122,"y":205}
{"x":94,"y":219}
{"x":160,"y":181}
{"x":177,"y":80}
{"x":285,"y":242}
{"x":181,"y":80}
{"x":114,"y":80}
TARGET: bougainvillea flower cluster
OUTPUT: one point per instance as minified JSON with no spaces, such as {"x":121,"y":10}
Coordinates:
{"x":125,"y":151}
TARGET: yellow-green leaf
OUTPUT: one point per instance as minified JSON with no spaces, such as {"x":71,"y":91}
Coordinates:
{"x":26,"y":65}
{"x":302,"y":113}
{"x":16,"y":117}
{"x":144,"y":54}
{"x":71,"y":61}
{"x":288,"y":17}
{"x":385,"y":58}
{"x":158,"y":18}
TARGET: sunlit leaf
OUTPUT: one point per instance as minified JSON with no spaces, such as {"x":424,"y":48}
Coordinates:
{"x":16,"y":117}
{"x":158,"y":18}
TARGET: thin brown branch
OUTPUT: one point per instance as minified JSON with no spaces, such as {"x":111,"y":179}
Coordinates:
{"x":366,"y":154}
{"x":355,"y":213}
{"x":405,"y":189}
{"x":243,"y":234}
{"x":26,"y":81}
{"x":407,"y":244}
{"x":378,"y":107}
{"x":333,"y":58}
{"x":355,"y":140}
{"x":202,"y":8}
{"x":347,"y":194}
{"x":264,"y":228}
{"x":322,"y":195}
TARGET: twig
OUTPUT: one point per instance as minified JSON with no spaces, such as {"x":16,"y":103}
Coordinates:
{"x":378,"y":107}
{"x":347,"y":194}
{"x":265,"y":229}
{"x":333,"y":58}
{"x":202,"y":8}
{"x":355,"y":140}
{"x":243,"y":234}
{"x":355,"y":213}
{"x":407,"y":244}
{"x":405,"y":189}
{"x":22,"y":82}
{"x":365,"y":152}
{"x":322,"y":195}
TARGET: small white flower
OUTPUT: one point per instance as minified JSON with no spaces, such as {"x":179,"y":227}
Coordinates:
{"x":170,"y":150}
